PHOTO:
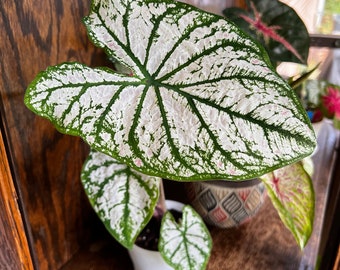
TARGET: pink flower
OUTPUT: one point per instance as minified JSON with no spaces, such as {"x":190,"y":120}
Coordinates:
{"x":332,"y":101}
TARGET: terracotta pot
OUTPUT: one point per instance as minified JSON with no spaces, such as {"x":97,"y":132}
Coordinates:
{"x":226,"y":204}
{"x":144,"y":259}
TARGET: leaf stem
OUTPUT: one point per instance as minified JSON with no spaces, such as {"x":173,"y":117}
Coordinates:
{"x":160,"y":207}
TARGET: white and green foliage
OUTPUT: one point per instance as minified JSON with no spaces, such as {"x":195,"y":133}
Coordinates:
{"x":291,"y":191}
{"x":185,"y":245}
{"x":123,"y":198}
{"x":202,"y":102}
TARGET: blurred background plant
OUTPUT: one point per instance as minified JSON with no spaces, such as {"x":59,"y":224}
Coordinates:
{"x":284,"y":34}
{"x":321,"y":99}
{"x":276,"y":26}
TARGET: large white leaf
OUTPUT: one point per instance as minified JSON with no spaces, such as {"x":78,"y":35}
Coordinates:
{"x":202,"y":102}
{"x":291,"y":190}
{"x":123,"y":198}
{"x":187,"y":244}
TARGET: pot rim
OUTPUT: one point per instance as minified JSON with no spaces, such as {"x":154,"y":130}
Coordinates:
{"x":232,"y":184}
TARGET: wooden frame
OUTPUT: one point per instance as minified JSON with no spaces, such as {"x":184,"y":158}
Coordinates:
{"x":13,"y":236}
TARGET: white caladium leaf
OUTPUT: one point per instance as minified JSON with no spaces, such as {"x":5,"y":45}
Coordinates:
{"x":202,"y":101}
{"x":291,"y":191}
{"x":185,"y":245}
{"x":123,"y":198}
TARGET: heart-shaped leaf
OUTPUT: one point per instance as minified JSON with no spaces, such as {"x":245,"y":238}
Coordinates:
{"x":185,"y":245}
{"x":291,"y":191}
{"x":202,"y":103}
{"x":277,"y":26}
{"x":123,"y":198}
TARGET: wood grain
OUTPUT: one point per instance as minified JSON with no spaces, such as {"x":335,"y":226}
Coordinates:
{"x":46,"y":164}
{"x":14,"y":247}
{"x":263,"y":243}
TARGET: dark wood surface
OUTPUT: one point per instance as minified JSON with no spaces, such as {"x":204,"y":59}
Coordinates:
{"x":326,"y":162}
{"x":45,"y":163}
{"x":14,"y":249}
{"x":263,"y":243}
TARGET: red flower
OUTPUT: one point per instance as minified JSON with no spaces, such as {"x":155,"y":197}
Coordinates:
{"x":332,"y":101}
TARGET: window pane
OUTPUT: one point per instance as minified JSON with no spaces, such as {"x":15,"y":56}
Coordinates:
{"x":320,"y":16}
{"x":330,"y":19}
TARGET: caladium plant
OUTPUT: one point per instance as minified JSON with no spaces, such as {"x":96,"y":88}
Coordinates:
{"x":276,"y":26}
{"x":200,"y":100}
{"x":291,"y":191}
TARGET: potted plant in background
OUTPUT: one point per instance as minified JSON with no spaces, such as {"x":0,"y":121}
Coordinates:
{"x":330,"y":102}
{"x":321,"y":100}
{"x":200,"y":101}
{"x":286,"y":39}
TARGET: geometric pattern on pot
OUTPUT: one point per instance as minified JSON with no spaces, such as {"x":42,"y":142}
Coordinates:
{"x":202,"y":100}
{"x":227,"y":206}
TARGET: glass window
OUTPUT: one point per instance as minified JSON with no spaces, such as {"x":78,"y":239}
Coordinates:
{"x":320,"y":16}
{"x":322,"y":19}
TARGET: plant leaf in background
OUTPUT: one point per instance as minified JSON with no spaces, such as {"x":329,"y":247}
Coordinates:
{"x":202,"y":103}
{"x":291,"y":192}
{"x":123,"y":198}
{"x":277,"y":27}
{"x":185,"y":245}
{"x":295,"y":83}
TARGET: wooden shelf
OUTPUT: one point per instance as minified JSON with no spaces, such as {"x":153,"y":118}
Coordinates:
{"x":102,"y":254}
{"x":263,"y":243}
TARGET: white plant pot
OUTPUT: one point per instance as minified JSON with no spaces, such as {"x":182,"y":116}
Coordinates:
{"x":317,"y":128}
{"x":144,"y":259}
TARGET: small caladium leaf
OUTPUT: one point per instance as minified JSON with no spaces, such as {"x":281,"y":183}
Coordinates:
{"x":123,"y":198}
{"x":291,"y":191}
{"x":201,"y":102}
{"x":277,"y":26}
{"x":185,"y":245}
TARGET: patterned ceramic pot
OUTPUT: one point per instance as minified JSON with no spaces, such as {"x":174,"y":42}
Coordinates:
{"x":226,"y":204}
